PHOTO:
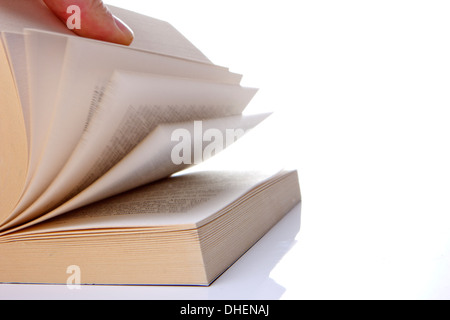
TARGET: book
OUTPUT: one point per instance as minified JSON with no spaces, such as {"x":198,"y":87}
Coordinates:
{"x":94,"y":142}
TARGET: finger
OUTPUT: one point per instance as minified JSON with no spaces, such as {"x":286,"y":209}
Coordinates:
{"x":96,"y":21}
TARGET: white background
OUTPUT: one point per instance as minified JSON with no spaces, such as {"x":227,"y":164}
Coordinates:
{"x":360,"y":94}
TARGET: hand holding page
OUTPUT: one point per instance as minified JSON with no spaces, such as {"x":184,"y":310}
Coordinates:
{"x":91,"y":135}
{"x":98,"y":22}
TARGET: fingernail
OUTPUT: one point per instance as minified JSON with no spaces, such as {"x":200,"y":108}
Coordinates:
{"x":127,"y":33}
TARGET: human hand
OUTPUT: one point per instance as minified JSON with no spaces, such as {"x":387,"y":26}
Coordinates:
{"x":97,"y":22}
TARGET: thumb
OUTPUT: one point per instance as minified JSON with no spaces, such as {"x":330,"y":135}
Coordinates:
{"x":96,"y":21}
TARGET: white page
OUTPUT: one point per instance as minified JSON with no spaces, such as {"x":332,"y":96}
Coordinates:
{"x":133,"y":105}
{"x":152,"y":160}
{"x":87,"y":67}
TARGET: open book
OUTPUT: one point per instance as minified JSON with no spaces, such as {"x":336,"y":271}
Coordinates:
{"x":91,"y":135}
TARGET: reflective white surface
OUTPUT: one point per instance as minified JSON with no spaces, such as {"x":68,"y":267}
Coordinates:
{"x":360,"y":91}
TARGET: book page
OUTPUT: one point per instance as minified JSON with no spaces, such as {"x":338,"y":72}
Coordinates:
{"x":132,"y":106}
{"x":153,"y":158}
{"x":181,"y":201}
{"x":15,"y":48}
{"x":87,"y":67}
{"x":13,"y":140}
{"x":158,"y":36}
{"x":44,"y":58}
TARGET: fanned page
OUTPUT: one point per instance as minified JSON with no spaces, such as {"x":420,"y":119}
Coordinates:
{"x":86,"y":69}
{"x":132,"y":106}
